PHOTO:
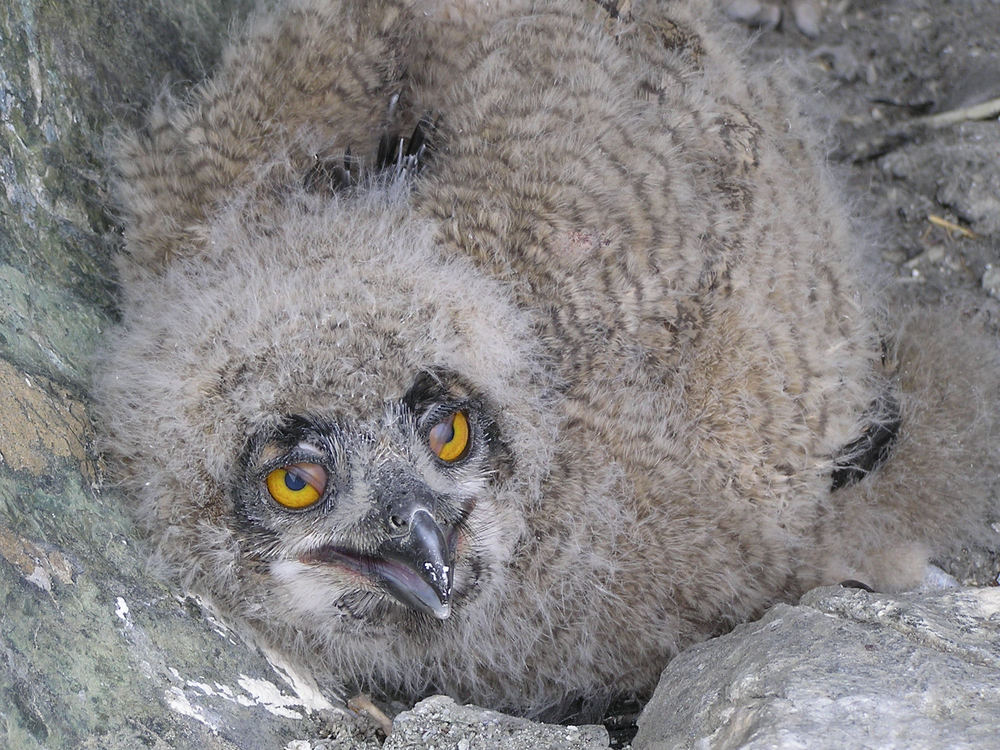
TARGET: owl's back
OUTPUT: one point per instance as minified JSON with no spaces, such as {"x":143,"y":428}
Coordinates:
{"x":689,"y":270}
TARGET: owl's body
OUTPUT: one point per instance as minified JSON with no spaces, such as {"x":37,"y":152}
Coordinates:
{"x":620,"y":265}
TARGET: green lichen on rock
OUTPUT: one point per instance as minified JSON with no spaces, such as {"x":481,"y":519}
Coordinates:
{"x":68,"y":73}
{"x":94,"y":652}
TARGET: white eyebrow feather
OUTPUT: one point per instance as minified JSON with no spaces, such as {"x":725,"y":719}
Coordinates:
{"x":306,"y":447}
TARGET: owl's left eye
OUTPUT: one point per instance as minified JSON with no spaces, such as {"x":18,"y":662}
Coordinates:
{"x":450,"y":437}
{"x":297,"y":486}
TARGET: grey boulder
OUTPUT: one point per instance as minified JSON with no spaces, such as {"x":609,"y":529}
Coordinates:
{"x":845,"y":668}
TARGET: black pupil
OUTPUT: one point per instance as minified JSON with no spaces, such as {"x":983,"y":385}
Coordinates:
{"x":293,"y":481}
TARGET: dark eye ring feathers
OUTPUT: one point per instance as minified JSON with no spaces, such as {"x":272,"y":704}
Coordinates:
{"x":300,"y":485}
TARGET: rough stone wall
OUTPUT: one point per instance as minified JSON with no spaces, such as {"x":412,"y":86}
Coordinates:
{"x":93,"y":652}
{"x":846,"y":668}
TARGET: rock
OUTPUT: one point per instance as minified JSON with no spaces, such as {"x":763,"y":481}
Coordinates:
{"x":844,"y":668}
{"x":441,"y":723}
{"x":95,"y":652}
{"x":807,"y":17}
{"x":755,"y":13}
{"x":767,"y":14}
{"x":991,"y":279}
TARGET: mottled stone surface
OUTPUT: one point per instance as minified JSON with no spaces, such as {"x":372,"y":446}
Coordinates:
{"x":957,"y":172}
{"x":68,"y":72}
{"x":93,"y":651}
{"x":845,"y":668}
{"x":440,"y":722}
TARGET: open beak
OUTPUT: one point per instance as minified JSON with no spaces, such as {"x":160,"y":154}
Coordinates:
{"x":414,"y":567}
{"x":417,"y":568}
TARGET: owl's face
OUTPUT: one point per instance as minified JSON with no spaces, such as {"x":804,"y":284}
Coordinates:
{"x":376,"y":519}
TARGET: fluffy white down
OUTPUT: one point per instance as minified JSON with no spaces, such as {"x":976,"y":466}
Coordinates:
{"x":254,"y":333}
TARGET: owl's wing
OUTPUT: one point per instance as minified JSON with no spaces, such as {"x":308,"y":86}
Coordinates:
{"x":398,"y":158}
{"x":870,"y":450}
{"x":305,"y":86}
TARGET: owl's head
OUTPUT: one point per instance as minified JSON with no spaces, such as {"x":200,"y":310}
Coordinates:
{"x":322,"y":414}
{"x":373,"y":516}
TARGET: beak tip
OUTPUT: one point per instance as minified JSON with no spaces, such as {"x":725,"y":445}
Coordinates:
{"x":416,"y":568}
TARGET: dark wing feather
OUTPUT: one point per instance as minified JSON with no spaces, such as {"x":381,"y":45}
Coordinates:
{"x":860,"y":457}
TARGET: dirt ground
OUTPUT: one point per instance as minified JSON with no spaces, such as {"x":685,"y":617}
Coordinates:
{"x":882,"y":75}
{"x":877,"y":70}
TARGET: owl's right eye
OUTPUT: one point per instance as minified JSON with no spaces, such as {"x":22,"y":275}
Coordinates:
{"x":297,"y":486}
{"x":450,"y":438}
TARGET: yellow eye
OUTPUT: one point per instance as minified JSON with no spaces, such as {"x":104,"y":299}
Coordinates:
{"x":449,"y":438}
{"x":297,"y":485}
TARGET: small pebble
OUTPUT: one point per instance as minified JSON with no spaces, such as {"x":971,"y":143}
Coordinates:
{"x":754,"y":13}
{"x":767,"y":14}
{"x":991,"y":280}
{"x":806,"y":15}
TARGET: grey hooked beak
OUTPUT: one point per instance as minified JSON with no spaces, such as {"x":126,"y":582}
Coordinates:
{"x":414,"y":562}
{"x":416,"y":567}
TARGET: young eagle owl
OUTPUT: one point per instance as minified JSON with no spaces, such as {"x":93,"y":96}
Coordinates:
{"x":584,"y":371}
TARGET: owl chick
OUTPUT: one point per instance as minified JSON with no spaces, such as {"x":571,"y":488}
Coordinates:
{"x":604,"y":378}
